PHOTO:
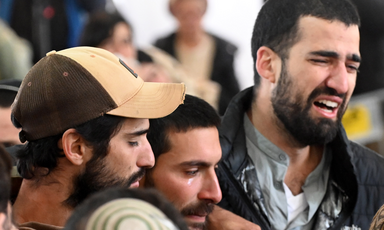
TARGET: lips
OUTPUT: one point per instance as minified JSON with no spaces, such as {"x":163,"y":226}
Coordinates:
{"x":196,"y":220}
{"x":136,"y":177}
{"x":328,"y":106}
{"x":199,"y":214}
{"x":135,"y":184}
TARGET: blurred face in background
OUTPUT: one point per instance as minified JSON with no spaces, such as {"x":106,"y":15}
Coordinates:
{"x":152,"y":72}
{"x":9,"y":134}
{"x":188,"y":13}
{"x":121,"y":43}
{"x":6,"y":220}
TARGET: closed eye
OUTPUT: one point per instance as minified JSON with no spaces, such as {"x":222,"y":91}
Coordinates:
{"x":353,"y":68}
{"x":192,"y":173}
{"x":133,"y":143}
{"x":319,"y":60}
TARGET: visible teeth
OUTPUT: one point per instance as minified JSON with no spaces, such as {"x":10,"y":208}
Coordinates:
{"x":326,"y":110}
{"x":329,"y":103}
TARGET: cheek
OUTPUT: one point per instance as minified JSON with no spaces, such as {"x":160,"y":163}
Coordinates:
{"x":120,"y":160}
{"x":178,"y":190}
{"x":352,"y":84}
{"x":351,"y":87}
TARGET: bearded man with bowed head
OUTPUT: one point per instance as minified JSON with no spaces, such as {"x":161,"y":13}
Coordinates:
{"x":84,"y":114}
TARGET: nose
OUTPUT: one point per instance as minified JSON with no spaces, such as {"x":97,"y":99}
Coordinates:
{"x":146,"y":159}
{"x":339,"y":79}
{"x":211,"y":189}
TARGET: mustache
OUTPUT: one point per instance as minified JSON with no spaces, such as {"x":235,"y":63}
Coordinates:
{"x":199,"y":209}
{"x":327,"y":91}
{"x":136,"y":176}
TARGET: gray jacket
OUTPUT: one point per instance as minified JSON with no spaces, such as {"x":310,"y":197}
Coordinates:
{"x":355,"y":188}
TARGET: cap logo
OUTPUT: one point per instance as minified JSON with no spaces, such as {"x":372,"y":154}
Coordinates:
{"x":127,"y":67}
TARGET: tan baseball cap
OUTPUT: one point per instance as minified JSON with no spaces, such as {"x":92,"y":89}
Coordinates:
{"x":70,"y":87}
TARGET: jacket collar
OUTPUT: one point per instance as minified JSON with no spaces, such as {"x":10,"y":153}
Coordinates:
{"x":232,"y":128}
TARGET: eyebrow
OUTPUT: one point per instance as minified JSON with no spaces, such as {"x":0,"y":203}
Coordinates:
{"x":138,"y":133}
{"x":197,"y":163}
{"x":355,"y":58}
{"x":332,"y":54}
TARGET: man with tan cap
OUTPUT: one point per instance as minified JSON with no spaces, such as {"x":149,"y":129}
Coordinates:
{"x":84,"y":114}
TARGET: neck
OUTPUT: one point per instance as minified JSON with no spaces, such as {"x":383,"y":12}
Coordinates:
{"x":302,"y":159}
{"x":43,"y":202}
{"x":190,"y":38}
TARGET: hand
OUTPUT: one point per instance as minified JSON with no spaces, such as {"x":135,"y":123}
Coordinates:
{"x":221,"y":219}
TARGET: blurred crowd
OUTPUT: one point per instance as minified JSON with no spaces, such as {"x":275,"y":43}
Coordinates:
{"x":203,"y":61}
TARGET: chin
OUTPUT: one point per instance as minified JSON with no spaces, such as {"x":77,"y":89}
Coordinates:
{"x":195,"y":228}
{"x":196,"y":225}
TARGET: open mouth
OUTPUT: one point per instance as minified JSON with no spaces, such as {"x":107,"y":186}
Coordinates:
{"x":326,"y":105}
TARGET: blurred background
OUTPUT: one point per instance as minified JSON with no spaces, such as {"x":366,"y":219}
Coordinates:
{"x":232,"y":20}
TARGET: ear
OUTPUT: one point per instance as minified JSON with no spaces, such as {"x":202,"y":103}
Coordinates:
{"x":74,"y":147}
{"x":267,"y":64}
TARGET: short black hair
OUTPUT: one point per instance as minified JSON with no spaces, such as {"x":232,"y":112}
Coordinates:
{"x":83,"y":212}
{"x":194,"y":113}
{"x":5,"y":179}
{"x":276,"y":26}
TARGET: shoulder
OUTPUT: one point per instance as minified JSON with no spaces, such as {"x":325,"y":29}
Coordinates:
{"x":363,"y":156}
{"x":369,"y":170}
{"x":165,"y":40}
{"x":224,"y":44}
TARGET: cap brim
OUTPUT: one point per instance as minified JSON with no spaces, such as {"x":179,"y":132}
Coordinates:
{"x":153,"y":100}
